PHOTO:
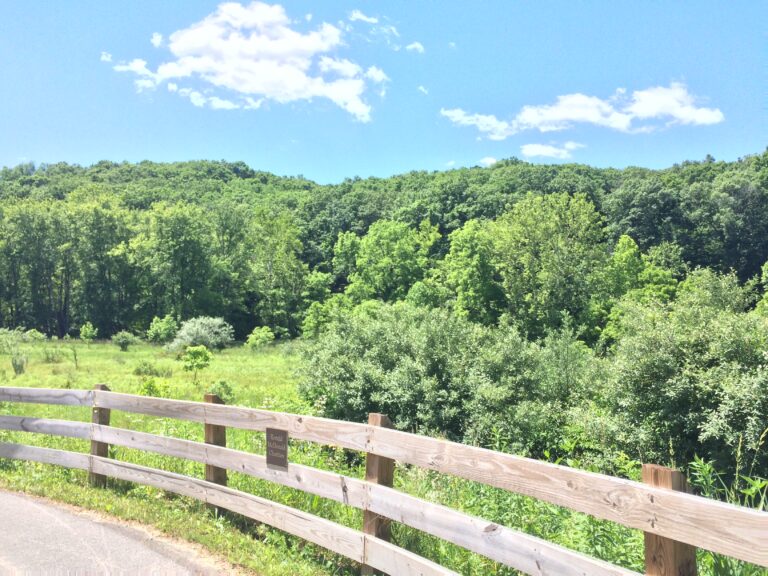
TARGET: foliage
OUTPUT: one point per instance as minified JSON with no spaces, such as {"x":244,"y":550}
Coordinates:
{"x":88,"y":333}
{"x":19,"y":363}
{"x":213,"y":333}
{"x":223,"y":390}
{"x":124,"y":340}
{"x":260,"y":337}
{"x":196,"y":358}
{"x":147,"y":368}
{"x":162,"y":330}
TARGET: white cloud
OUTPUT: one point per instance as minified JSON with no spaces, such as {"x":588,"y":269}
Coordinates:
{"x":172,"y":87}
{"x":252,"y":51}
{"x":221,"y":104}
{"x":489,"y":125}
{"x":308,"y":17}
{"x":105,"y":57}
{"x":376,"y":74}
{"x":415,"y":47}
{"x":643,"y":111}
{"x":450,"y":163}
{"x":251,"y":104}
{"x":488,"y":161}
{"x":423,"y":90}
{"x":550,"y":151}
{"x":357,"y":15}
{"x":674,"y":103}
{"x":144,"y":84}
{"x":156,"y":40}
{"x":342,"y":67}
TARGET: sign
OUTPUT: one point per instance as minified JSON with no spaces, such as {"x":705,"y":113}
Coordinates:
{"x":277,"y":449}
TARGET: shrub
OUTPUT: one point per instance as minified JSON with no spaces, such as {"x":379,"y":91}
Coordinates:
{"x":88,"y":333}
{"x":223,"y":390}
{"x":146,"y":368}
{"x":162,"y":330}
{"x":19,"y":363}
{"x":149,"y":387}
{"x":213,"y":333}
{"x":260,"y":337}
{"x":52,"y":355}
{"x":33,"y":336}
{"x":196,"y":358}
{"x":124,"y":339}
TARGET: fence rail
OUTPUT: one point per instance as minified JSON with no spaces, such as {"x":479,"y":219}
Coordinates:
{"x":674,"y":522}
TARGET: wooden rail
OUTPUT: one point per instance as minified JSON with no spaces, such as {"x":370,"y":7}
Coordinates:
{"x":668,"y":517}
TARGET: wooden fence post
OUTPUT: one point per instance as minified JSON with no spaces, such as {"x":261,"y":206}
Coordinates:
{"x":663,"y":556}
{"x":379,"y":470}
{"x":216,"y":435}
{"x":99,"y":416}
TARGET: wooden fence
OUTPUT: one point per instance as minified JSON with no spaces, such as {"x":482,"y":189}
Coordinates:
{"x":675,"y":522}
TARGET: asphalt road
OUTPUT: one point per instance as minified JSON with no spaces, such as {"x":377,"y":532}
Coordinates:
{"x":38,"y":537}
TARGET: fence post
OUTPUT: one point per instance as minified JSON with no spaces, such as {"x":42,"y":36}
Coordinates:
{"x":663,"y":556}
{"x":216,"y":435}
{"x":99,"y":416}
{"x":379,"y":470}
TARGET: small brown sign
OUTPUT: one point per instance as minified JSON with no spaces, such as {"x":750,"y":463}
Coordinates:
{"x":277,"y":449}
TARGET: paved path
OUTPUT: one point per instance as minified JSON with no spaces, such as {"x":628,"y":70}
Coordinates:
{"x":39,"y":537}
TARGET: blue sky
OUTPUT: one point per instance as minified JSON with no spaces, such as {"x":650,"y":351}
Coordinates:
{"x":341,"y":89}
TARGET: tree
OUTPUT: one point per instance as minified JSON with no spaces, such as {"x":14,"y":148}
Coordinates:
{"x":391,"y":258}
{"x":196,"y":358}
{"x":471,"y":271}
{"x":88,"y":333}
{"x":548,"y":249}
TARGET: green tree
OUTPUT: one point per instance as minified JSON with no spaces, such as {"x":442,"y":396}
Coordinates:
{"x":391,"y":258}
{"x":196,"y":358}
{"x":548,"y":249}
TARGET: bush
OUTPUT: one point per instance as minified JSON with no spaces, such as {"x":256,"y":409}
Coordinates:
{"x":149,"y":387}
{"x":88,"y":333}
{"x":52,"y":355}
{"x":162,"y":330}
{"x":146,"y":368}
{"x":124,"y":339}
{"x":196,"y":358}
{"x":33,"y":335}
{"x":223,"y":390}
{"x":19,"y":363}
{"x":260,"y":337}
{"x":213,"y":333}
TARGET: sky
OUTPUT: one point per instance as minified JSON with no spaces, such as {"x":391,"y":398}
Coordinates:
{"x":331,"y":90}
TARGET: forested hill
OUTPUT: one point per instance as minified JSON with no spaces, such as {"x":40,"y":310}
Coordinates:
{"x":118,"y":244}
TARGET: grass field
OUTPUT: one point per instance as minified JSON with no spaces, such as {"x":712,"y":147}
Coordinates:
{"x":265,"y":379}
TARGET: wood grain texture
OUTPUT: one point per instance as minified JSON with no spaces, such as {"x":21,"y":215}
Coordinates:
{"x":512,"y":548}
{"x":334,"y":537}
{"x":216,"y":435}
{"x":378,"y":470}
{"x":44,"y":455}
{"x":53,"y":427}
{"x":665,"y":557}
{"x":99,"y":417}
{"x":46,"y":396}
{"x":731,"y":530}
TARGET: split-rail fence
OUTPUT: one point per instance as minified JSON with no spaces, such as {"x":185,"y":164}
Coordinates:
{"x":675,"y":522}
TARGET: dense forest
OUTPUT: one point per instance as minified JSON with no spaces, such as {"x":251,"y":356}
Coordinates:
{"x":559,"y":311}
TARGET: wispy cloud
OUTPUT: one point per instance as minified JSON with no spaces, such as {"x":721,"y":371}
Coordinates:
{"x":550,"y":151}
{"x":105,"y":57}
{"x":422,"y":90}
{"x":253,"y":52}
{"x":644,"y":111}
{"x":156,"y":40}
{"x":415,"y":47}
{"x":488,"y":161}
{"x":356,"y":15}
